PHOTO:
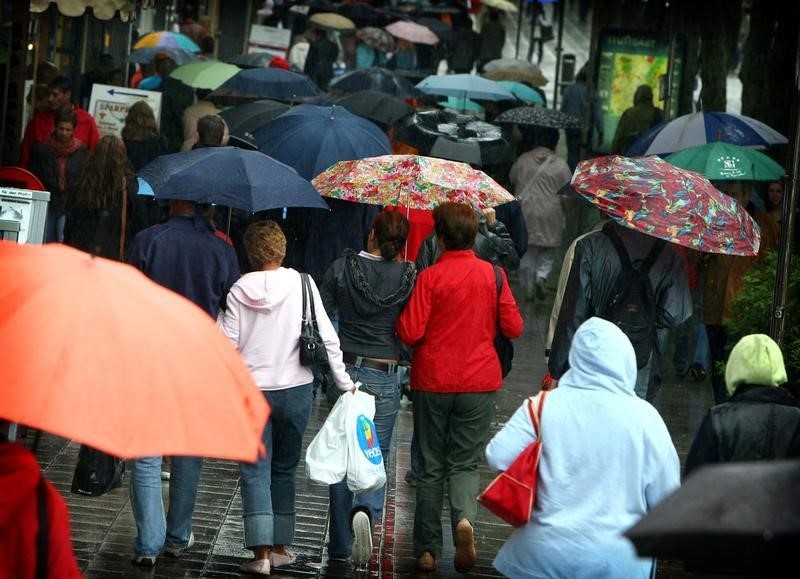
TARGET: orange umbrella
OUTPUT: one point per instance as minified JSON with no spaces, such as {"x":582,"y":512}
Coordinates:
{"x":95,"y":351}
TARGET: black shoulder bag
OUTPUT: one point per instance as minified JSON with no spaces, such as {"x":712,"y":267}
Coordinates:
{"x":503,"y":346}
{"x":312,"y":348}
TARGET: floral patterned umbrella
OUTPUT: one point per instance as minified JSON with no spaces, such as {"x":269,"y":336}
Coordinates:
{"x":410,"y":181}
{"x":659,"y":199}
{"x":377,"y":38}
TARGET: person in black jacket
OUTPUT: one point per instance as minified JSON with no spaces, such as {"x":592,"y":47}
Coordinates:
{"x":760,"y":421}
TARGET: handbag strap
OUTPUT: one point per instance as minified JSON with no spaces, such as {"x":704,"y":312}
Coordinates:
{"x":536,"y":414}
{"x":499,"y":281}
{"x":124,"y":221}
{"x":310,"y":298}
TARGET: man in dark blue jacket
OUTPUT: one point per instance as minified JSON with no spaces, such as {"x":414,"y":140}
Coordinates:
{"x":184,"y":255}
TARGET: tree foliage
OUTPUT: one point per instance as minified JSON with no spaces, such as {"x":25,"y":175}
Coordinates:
{"x":751,"y":311}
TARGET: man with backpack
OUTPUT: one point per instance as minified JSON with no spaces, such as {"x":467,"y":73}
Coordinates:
{"x":637,"y":281}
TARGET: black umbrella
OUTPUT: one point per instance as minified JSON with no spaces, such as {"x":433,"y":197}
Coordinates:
{"x":267,"y":83}
{"x":449,"y":135}
{"x":374,"y":78}
{"x":252,"y":59}
{"x":378,"y":107}
{"x":244,"y":119}
{"x":735,"y":517}
{"x":539,"y":117}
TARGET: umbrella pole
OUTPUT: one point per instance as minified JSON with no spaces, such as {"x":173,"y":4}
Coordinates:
{"x":519,"y":26}
{"x":777,"y":323}
{"x":228,"y":227}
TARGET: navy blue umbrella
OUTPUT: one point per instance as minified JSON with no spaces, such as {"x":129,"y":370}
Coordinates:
{"x":374,"y":78}
{"x":312,"y":138}
{"x":229,"y":176}
{"x":268,"y":83}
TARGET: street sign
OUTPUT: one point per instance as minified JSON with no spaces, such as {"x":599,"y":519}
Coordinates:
{"x":27,"y":208}
{"x":269,"y":39}
{"x":109,"y":106}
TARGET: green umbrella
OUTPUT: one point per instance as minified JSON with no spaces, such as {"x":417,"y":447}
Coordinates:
{"x":208,"y":74}
{"x":720,"y":161}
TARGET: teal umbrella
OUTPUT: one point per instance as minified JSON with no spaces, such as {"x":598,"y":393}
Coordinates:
{"x":523,"y":92}
{"x":720,"y":161}
{"x":458,"y":104}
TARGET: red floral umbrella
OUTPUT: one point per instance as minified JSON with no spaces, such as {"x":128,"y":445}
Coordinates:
{"x":659,"y":199}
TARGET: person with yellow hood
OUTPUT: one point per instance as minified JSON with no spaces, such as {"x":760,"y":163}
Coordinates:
{"x":760,"y":420}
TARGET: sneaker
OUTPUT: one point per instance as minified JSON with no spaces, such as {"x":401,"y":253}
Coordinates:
{"x":164,"y":475}
{"x":362,"y":538}
{"x":144,"y":560}
{"x":466,"y":553}
{"x":256,"y":567}
{"x":178,"y":551}
{"x":426,"y":562}
{"x":697,"y":373}
{"x":281,"y":559}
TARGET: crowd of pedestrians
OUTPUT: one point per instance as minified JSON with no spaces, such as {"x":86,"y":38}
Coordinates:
{"x":609,"y":458}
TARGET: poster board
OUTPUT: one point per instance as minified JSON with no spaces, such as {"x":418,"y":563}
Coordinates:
{"x":270,"y":39}
{"x":627,"y":60}
{"x":28,"y":208}
{"x":109,"y":106}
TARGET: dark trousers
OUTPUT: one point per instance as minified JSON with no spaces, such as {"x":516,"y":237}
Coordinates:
{"x":451,"y":430}
{"x":717,"y":339}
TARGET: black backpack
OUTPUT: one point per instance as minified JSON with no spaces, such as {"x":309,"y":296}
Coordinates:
{"x":632,"y":305}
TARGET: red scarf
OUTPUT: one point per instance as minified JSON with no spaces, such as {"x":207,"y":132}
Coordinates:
{"x":62,"y":152}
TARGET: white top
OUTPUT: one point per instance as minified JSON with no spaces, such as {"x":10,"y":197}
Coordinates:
{"x":263,"y":320}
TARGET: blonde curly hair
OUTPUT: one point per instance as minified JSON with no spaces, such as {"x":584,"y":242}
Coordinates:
{"x":264,"y":243}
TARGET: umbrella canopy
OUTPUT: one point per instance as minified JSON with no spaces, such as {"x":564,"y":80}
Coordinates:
{"x":377,"y":38}
{"x":700,"y":128}
{"x":252,"y":59}
{"x":148,"y":54}
{"x":268,"y":83}
{"x":456,"y":137}
{"x":207,"y":74}
{"x":378,"y":107}
{"x":465,"y":86}
{"x":724,"y":162}
{"x":331,"y":21}
{"x":461,"y":105}
{"x":410,"y":181}
{"x":243,"y":119}
{"x":374,"y":78}
{"x":539,"y":117}
{"x":164,"y":38}
{"x":503,"y":5}
{"x":108,"y":366}
{"x":523,"y":92}
{"x":444,"y":32}
{"x":514,"y":69}
{"x":413,"y":32}
{"x":232,"y":177}
{"x":740,"y":517}
{"x":312,"y":138}
{"x":652,"y":196}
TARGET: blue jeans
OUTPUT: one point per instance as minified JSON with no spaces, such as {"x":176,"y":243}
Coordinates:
{"x":54,"y":228}
{"x":268,"y":486}
{"x":156,"y":531}
{"x":385,"y":387}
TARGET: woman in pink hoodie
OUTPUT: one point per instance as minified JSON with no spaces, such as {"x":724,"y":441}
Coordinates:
{"x":263,"y":320}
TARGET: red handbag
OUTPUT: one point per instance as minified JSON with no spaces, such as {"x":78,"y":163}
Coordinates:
{"x":512,"y":493}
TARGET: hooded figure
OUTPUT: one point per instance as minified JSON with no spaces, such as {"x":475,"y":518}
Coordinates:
{"x":760,"y":421}
{"x":607,"y":458}
{"x":636,"y":120}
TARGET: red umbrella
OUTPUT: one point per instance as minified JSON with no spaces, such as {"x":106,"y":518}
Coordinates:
{"x":95,"y":351}
{"x":659,"y":199}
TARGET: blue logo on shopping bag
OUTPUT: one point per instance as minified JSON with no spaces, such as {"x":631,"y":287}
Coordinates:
{"x":368,"y":439}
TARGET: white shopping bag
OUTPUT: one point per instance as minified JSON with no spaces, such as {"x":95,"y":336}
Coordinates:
{"x":365,"y":469}
{"x":326,"y":456}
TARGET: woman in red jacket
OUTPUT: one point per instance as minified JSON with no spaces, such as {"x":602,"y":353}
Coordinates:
{"x":451,"y":321}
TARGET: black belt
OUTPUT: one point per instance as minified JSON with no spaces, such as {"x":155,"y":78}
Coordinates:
{"x":367,"y":363}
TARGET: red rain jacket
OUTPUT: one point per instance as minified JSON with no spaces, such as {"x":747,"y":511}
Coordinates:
{"x":450,"y":321}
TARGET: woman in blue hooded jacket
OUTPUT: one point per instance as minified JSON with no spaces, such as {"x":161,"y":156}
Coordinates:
{"x":607,"y":459}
